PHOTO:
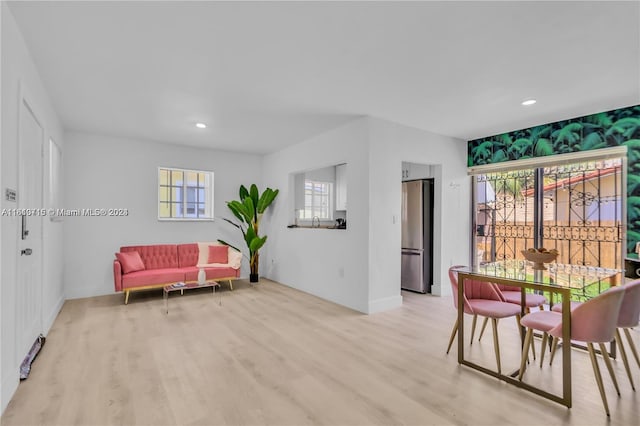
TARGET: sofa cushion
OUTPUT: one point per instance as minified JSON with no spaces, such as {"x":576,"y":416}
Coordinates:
{"x":191,"y":273}
{"x":156,"y":256}
{"x":203,"y":255}
{"x":130,"y":261}
{"x":153,"y":277}
{"x":188,"y":254}
{"x":218,"y":254}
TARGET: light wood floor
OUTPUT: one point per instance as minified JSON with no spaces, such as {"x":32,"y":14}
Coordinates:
{"x":268,"y":354}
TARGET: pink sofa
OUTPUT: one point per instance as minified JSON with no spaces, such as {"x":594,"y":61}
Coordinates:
{"x":164,"y":264}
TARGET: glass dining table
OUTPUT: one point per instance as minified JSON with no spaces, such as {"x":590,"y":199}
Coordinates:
{"x":559,"y":282}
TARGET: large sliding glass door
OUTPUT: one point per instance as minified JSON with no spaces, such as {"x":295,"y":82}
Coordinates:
{"x":575,"y":208}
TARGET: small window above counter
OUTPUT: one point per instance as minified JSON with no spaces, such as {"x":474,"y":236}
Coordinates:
{"x":319,"y":198}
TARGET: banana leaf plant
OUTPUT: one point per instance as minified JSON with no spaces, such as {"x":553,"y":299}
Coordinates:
{"x":249,"y":210}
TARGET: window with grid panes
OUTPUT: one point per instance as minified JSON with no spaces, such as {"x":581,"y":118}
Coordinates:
{"x":317,"y":200}
{"x":185,"y":194}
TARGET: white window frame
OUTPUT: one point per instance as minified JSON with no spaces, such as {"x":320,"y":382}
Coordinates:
{"x":330,"y":202}
{"x":208,"y":192}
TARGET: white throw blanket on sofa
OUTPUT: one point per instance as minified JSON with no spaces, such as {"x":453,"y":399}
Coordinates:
{"x":234,"y":256}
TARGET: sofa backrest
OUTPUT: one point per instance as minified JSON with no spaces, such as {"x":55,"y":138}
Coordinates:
{"x":156,"y":256}
{"x":188,"y":254}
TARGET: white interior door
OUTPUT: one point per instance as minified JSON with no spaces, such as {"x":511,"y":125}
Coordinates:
{"x":29,"y":288}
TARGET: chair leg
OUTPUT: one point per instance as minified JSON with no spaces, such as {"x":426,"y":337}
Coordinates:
{"x":525,"y":352}
{"x":533,"y":351}
{"x":596,"y":372}
{"x":496,"y":345}
{"x":607,"y":362}
{"x":126,"y":297}
{"x":519,"y":327}
{"x":625,"y":360}
{"x":545,"y":338}
{"x":633,"y":347}
{"x":522,"y":337}
{"x":484,"y":325}
{"x":453,"y":335}
{"x":230,"y":285}
{"x":554,"y":347}
{"x":473,"y":327}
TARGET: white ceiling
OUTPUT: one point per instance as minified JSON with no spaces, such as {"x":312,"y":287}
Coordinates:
{"x":269,"y":74}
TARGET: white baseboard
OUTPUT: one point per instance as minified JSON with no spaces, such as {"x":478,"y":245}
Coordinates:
{"x":10,"y":384}
{"x":48,"y":322}
{"x":75,"y":293}
{"x":439,"y":290}
{"x":384,"y":304}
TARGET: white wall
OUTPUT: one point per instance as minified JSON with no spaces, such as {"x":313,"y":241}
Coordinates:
{"x":368,"y":253}
{"x":331,"y":264}
{"x":390,"y":145}
{"x":20,"y":78}
{"x":324,"y":174}
{"x":109,"y":172}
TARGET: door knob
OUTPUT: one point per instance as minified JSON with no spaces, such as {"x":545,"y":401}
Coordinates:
{"x":26,"y":252}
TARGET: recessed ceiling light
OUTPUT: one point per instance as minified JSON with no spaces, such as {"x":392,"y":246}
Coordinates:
{"x":201,"y":125}
{"x":529,"y":102}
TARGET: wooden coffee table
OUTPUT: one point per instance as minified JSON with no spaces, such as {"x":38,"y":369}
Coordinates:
{"x":182,"y":286}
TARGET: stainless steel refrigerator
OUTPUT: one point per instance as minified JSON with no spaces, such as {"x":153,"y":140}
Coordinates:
{"x":417,"y":236}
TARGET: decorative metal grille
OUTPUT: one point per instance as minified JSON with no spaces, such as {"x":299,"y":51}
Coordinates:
{"x":504,"y":215}
{"x":579,"y":213}
{"x":585,"y":201}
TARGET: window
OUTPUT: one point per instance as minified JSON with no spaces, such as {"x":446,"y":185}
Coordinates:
{"x":317,"y":200}
{"x":185,"y":194}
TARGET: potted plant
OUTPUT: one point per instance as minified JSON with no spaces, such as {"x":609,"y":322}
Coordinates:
{"x":249,"y":210}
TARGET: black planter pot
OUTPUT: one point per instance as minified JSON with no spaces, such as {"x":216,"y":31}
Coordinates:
{"x":253,"y":278}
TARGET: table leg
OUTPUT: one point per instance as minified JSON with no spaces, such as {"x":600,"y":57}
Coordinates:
{"x":566,"y":348}
{"x":565,"y":398}
{"x":461,"y":280}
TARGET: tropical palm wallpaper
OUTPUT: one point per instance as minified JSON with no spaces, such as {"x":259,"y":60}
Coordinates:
{"x":601,"y":130}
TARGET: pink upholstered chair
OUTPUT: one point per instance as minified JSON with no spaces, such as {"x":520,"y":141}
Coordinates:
{"x":628,"y":318}
{"x":481,"y":298}
{"x":512,"y":294}
{"x":592,"y":322}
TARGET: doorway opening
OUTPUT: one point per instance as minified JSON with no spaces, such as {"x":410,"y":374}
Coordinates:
{"x":417,"y":227}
